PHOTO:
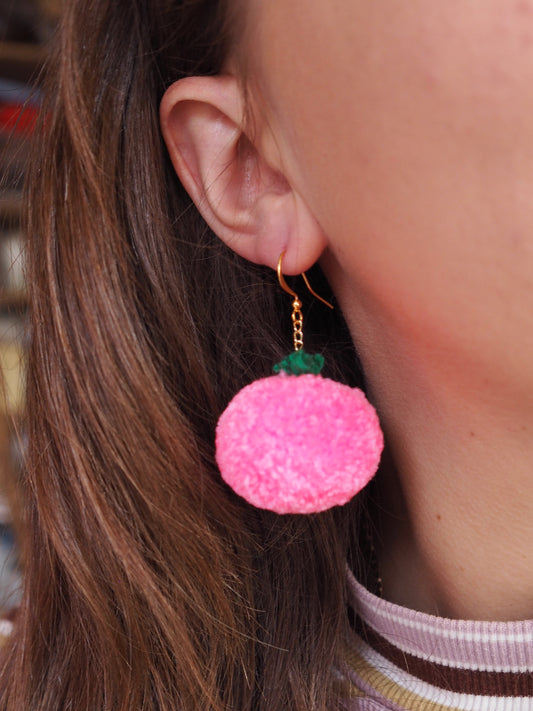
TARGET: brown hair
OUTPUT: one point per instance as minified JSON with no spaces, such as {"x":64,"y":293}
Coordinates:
{"x":149,"y":585}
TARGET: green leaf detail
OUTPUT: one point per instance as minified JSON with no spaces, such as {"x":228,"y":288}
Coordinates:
{"x":300,"y":363}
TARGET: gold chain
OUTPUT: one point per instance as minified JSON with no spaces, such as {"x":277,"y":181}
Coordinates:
{"x":297,"y":324}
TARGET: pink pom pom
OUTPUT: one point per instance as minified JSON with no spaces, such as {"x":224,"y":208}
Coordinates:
{"x":298,"y":444}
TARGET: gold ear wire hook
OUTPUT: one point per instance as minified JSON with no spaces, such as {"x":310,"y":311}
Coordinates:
{"x":287,"y":288}
{"x":297,"y":316}
{"x":281,"y":278}
{"x":317,"y":296}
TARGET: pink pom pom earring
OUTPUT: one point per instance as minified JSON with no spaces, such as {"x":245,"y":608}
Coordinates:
{"x":296,"y":442}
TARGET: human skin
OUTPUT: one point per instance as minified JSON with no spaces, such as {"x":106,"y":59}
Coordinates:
{"x":394,"y":143}
{"x":407,"y":129}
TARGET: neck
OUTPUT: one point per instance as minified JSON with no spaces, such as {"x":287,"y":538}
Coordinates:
{"x":457,"y":511}
{"x":456,"y":494}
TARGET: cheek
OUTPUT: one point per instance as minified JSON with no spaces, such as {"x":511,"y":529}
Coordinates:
{"x":409,"y":131}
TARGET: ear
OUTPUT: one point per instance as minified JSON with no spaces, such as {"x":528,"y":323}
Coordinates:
{"x":239,"y":187}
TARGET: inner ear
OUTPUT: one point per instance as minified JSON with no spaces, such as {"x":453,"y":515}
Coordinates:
{"x":259,"y":173}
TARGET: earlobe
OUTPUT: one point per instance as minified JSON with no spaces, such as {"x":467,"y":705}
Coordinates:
{"x":243,"y":194}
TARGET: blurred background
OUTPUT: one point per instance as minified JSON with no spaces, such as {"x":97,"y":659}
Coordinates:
{"x":26,"y":27}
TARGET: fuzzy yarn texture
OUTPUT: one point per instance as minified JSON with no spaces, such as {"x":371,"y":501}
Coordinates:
{"x":298,"y":444}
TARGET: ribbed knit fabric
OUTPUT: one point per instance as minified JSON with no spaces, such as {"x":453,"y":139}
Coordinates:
{"x":399,"y":659}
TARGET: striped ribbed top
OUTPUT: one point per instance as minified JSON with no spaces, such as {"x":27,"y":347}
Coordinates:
{"x":400,"y":659}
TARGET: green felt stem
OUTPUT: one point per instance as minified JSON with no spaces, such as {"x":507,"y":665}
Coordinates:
{"x":300,"y":363}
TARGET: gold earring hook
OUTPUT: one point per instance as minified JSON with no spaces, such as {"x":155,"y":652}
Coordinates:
{"x":281,"y":278}
{"x":287,"y":288}
{"x":297,"y":316}
{"x":317,"y":296}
